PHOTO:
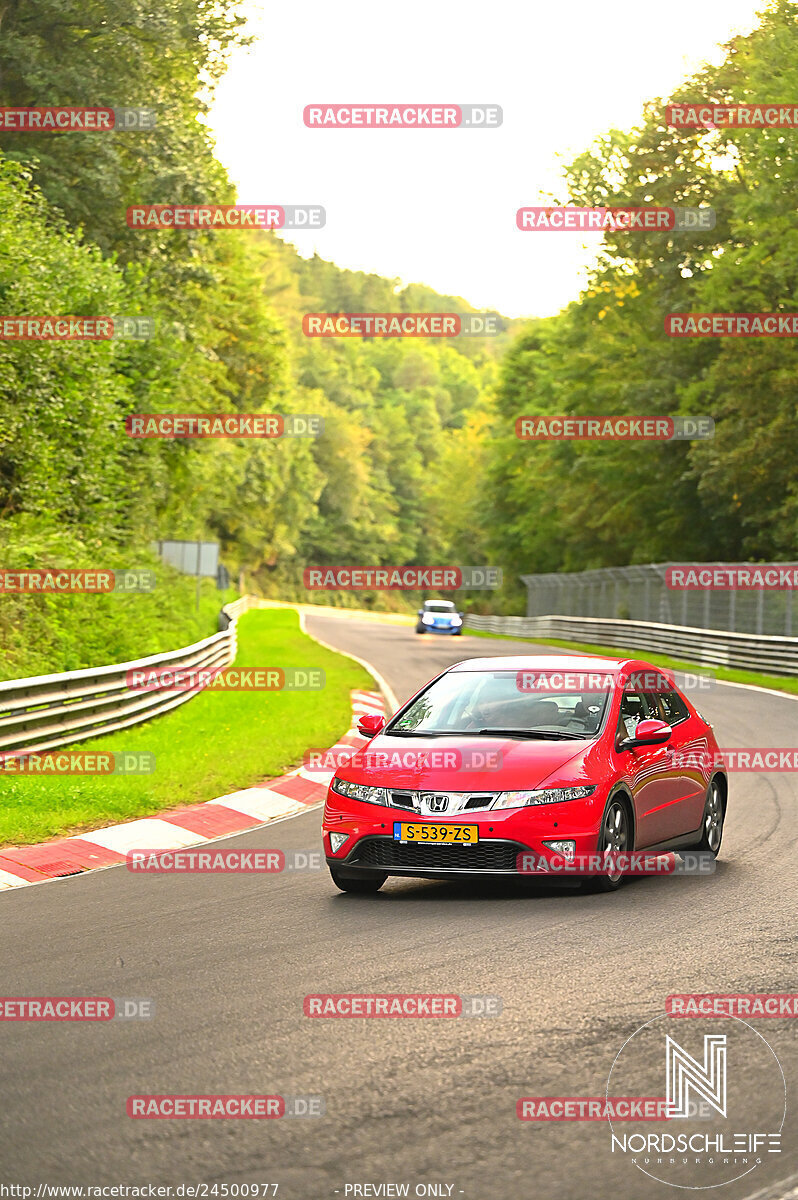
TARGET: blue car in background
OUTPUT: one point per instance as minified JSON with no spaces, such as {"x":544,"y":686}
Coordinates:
{"x":439,"y":616}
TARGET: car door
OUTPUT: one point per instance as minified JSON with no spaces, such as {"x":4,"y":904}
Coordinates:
{"x":645,"y":768}
{"x":686,"y":765}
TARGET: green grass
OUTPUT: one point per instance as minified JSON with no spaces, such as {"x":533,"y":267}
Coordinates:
{"x":214,"y":744}
{"x":781,"y":683}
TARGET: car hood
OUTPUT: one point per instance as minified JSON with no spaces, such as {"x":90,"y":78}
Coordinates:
{"x":466,"y":764}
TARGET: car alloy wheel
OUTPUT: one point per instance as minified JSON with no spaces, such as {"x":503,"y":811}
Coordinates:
{"x":615,"y":833}
{"x":613,"y":839}
{"x":713,"y":820}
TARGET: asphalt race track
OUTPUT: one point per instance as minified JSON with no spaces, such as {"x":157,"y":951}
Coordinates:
{"x":227,"y":960}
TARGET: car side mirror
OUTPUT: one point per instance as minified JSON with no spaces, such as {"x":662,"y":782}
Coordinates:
{"x":648,"y":733}
{"x":370,"y":725}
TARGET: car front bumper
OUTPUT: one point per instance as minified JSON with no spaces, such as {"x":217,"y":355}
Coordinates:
{"x":493,"y":856}
{"x":505,"y":836}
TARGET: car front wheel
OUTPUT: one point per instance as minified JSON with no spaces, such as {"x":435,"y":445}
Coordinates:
{"x":357,"y":883}
{"x":712,"y":825}
{"x":614,"y":838}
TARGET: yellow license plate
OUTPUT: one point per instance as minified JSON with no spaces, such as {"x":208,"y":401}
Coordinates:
{"x":427,"y":832}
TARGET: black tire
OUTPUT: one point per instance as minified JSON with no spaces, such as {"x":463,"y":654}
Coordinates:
{"x":420,"y":629}
{"x":457,"y":632}
{"x":358,"y":883}
{"x":615,"y":835}
{"x":712,"y":821}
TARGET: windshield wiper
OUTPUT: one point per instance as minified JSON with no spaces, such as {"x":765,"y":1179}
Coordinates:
{"x":545,"y":734}
{"x":415,"y":732}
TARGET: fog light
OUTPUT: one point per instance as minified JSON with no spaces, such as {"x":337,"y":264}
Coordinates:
{"x":337,"y":840}
{"x":566,"y":849}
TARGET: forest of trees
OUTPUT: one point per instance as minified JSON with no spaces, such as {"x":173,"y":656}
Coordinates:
{"x":735,"y":496}
{"x":418,"y":462}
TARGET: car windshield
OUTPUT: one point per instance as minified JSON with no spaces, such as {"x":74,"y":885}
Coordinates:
{"x":442,"y":606}
{"x":492,"y":702}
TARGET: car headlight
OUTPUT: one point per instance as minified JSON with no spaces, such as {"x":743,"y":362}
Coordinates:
{"x":360,"y":791}
{"x":428,"y":618}
{"x":543,"y":796}
{"x":457,"y":621}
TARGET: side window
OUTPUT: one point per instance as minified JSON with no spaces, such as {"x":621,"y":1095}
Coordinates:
{"x":635,"y":706}
{"x":674,"y":707}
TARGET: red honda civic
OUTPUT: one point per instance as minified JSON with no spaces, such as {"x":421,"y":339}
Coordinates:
{"x":499,"y":766}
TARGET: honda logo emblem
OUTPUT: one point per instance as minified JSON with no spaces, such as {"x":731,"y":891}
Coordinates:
{"x":437,"y":803}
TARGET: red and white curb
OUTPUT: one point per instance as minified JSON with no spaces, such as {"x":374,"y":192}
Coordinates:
{"x":191,"y":825}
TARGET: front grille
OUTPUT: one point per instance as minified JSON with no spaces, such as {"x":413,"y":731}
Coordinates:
{"x":489,"y":855}
{"x":458,"y":802}
{"x":480,"y":801}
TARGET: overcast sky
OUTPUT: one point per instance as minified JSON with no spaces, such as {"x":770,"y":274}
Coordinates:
{"x":438,"y":206}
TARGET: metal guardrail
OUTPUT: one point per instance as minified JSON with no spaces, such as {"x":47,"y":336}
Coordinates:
{"x":47,"y":711}
{"x":714,"y":647}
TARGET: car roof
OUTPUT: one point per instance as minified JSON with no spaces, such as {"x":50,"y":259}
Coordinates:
{"x":548,"y":662}
{"x":450,"y":603}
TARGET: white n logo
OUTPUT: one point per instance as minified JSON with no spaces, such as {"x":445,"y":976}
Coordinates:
{"x":685,"y":1074}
